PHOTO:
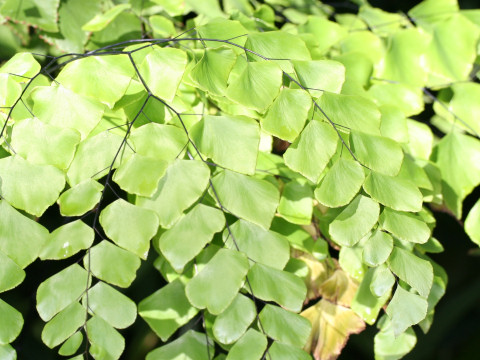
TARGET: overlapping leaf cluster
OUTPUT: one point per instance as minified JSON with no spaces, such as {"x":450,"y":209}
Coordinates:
{"x":243,"y":237}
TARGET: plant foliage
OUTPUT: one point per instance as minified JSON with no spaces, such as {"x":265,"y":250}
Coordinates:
{"x":171,"y":108}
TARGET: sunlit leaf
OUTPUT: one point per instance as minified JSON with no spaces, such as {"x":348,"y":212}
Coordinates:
{"x":80,"y":198}
{"x":377,"y":248}
{"x":296,"y":203}
{"x":382,"y":281}
{"x":100,"y":21}
{"x":12,"y":322}
{"x":405,"y":226}
{"x":105,"y":341}
{"x":22,"y":64}
{"x":11,"y":274}
{"x":63,"y":325}
{"x":389,"y":346}
{"x":281,"y":351}
{"x":251,"y":345}
{"x":71,"y":346}
{"x":320,"y":75}
{"x":472,"y":223}
{"x":41,"y":13}
{"x":191,"y":345}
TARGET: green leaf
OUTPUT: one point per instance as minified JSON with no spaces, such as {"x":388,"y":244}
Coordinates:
{"x":41,"y":13}
{"x":296,"y":203}
{"x":190,"y":346}
{"x":130,"y":227}
{"x":112,"y":264}
{"x":161,"y":26}
{"x":184,"y":182}
{"x":406,"y":97}
{"x":396,"y":193}
{"x":262,"y":246}
{"x":21,"y":238}
{"x":30,"y":187}
{"x":382,"y":281}
{"x":280,"y":351}
{"x":12,"y":322}
{"x":95,"y":155}
{"x":100,"y":21}
{"x":43,"y":144}
{"x":287,"y":115}
{"x":472,"y":223}
{"x":217,"y":284}
{"x":390,"y":347}
{"x":109,"y":77}
{"x":340,"y":184}
{"x":380,"y":154}
{"x":257,"y":86}
{"x":11,"y":274}
{"x":190,"y":234}
{"x":80,"y":198}
{"x":351,"y":111}
{"x":71,"y":346}
{"x":231,"y":324}
{"x":252,"y":346}
{"x":278,"y":323}
{"x":111,"y":305}
{"x":231,"y":142}
{"x":249,"y":198}
{"x":167,"y":309}
{"x":220,"y":28}
{"x":405,"y":309}
{"x":355,"y":221}
{"x":63,"y":108}
{"x":22,"y":64}
{"x":365,"y":303}
{"x":270,"y":284}
{"x":320,"y":75}
{"x":105,"y":341}
{"x":311,"y":152}
{"x":212,"y":71}
{"x":327,"y":33}
{"x":457,"y":157}
{"x":416,"y":272}
{"x":63,"y":325}
{"x":10,"y":91}
{"x":67,"y":240}
{"x":60,"y":290}
{"x":377,"y":248}
{"x":393,"y":123}
{"x":405,"y":226}
{"x":7,"y":352}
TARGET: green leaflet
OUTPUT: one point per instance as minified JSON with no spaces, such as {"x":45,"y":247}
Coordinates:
{"x":406,"y":97}
{"x":80,"y":198}
{"x":312,"y":150}
{"x":396,"y":193}
{"x":21,"y":238}
{"x":111,"y":305}
{"x":270,"y":284}
{"x":220,"y":28}
{"x":63,"y":325}
{"x":231,"y":324}
{"x":183,"y":183}
{"x":10,"y":90}
{"x":212,"y":71}
{"x":140,"y":175}
{"x":162,"y":70}
{"x":112,"y":264}
{"x":262,"y":246}
{"x":71,"y":346}
{"x":405,"y":226}
{"x":252,"y":345}
{"x":61,"y":107}
{"x":184,"y":240}
{"x":219,"y":281}
{"x":67,"y":240}
{"x":21,"y":64}
{"x":44,"y":144}
{"x":380,"y":154}
{"x":11,"y":274}
{"x":7,"y":352}
{"x":405,"y":309}
{"x":416,"y":272}
{"x":130,"y":227}
{"x":393,"y":123}
{"x":161,"y":26}
{"x":327,"y":33}
{"x":105,"y":341}
{"x":457,"y":157}
{"x":287,"y":115}
{"x":351,"y":111}
{"x":109,"y":77}
{"x":231,"y":142}
{"x":246,"y":197}
{"x":472,"y":223}
{"x":281,"y":351}
{"x":44,"y":14}
{"x":257,"y":86}
{"x":167,"y":309}
{"x":318,"y":76}
{"x":191,"y":345}
{"x":30,"y":187}
{"x":100,"y":21}
{"x":278,"y":323}
{"x":389,"y":346}
{"x":382,"y":281}
{"x":340,"y":184}
{"x":12,"y":322}
{"x":377,"y":248}
{"x":420,"y":139}
{"x":354,"y":221}
{"x":61,"y":290}
{"x":296,"y":203}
